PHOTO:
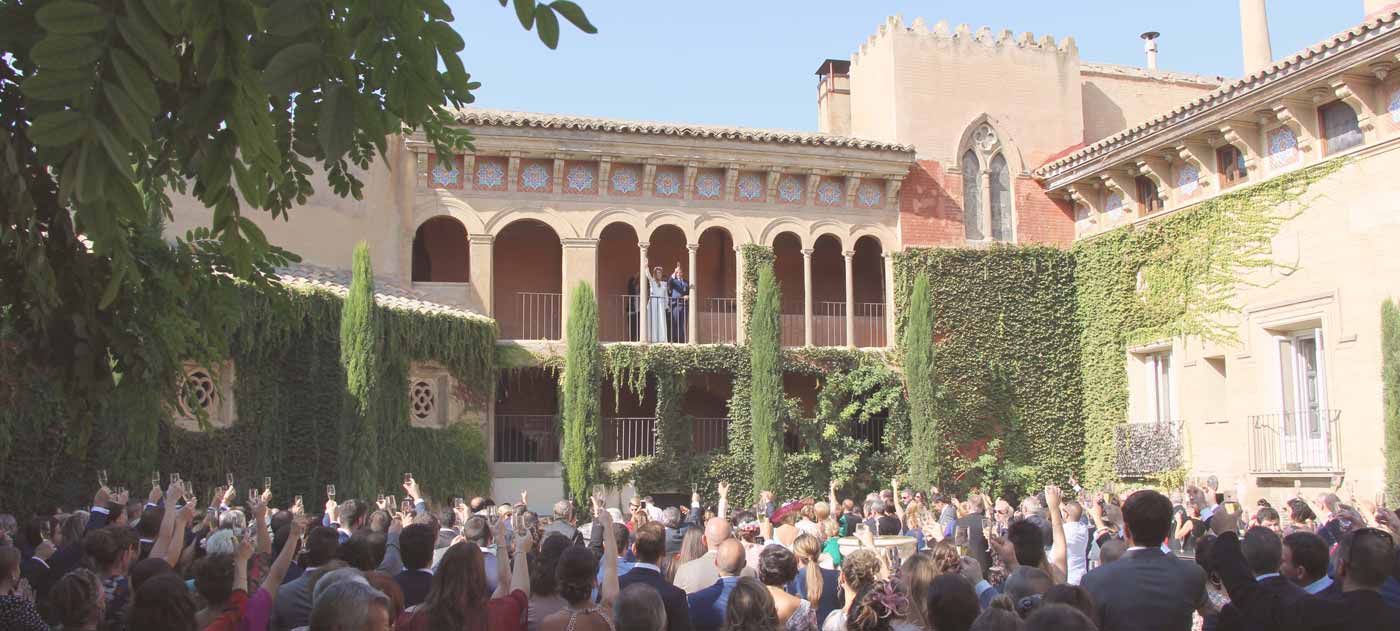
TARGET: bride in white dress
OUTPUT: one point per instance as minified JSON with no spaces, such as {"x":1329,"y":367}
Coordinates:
{"x":657,"y":310}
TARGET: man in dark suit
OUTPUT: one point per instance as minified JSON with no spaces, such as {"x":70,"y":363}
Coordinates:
{"x":1305,"y":560}
{"x":1147,"y":589}
{"x":1365,"y":558}
{"x":416,"y":544}
{"x":680,"y":299}
{"x":1263,"y":551}
{"x":293,"y":605}
{"x":707,"y":606}
{"x":649,"y":546}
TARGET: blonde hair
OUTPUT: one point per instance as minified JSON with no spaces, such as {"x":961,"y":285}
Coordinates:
{"x":809,"y":551}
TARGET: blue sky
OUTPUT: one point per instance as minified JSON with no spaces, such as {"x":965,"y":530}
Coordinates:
{"x":751,"y":63}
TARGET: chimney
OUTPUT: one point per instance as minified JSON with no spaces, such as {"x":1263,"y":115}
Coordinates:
{"x":1376,"y":7}
{"x":834,"y":97}
{"x":1254,"y":32}
{"x":1149,"y":46}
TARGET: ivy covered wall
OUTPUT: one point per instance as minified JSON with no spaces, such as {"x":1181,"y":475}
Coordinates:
{"x":288,"y":393}
{"x":1008,"y":358}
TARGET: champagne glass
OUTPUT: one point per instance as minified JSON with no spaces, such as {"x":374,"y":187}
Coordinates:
{"x":330,"y":491}
{"x":155,"y":478}
{"x":102,"y":477}
{"x":267,"y":483}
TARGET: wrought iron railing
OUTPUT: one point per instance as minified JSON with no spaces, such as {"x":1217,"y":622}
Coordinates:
{"x":870,"y":325}
{"x":792,"y":323}
{"x":871,"y":431}
{"x":718,"y":320}
{"x":1287,"y":442}
{"x":1147,"y":448}
{"x":526,"y":438}
{"x":709,"y":434}
{"x":540,"y":317}
{"x":828,"y":324}
{"x":618,"y":319}
{"x":625,"y":438}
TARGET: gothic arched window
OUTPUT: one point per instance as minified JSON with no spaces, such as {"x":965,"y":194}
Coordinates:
{"x":1001,"y":199}
{"x":972,"y":196}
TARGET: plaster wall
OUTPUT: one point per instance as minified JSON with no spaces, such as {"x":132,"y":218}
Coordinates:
{"x":1116,"y":98}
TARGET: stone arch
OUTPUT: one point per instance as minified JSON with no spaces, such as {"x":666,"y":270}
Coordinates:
{"x":781,"y":225}
{"x":668,"y":218}
{"x":828,"y":227}
{"x":1003,"y":142}
{"x":737,"y":231}
{"x":457,"y":208}
{"x":440,"y":251}
{"x":608,"y":216}
{"x":549,"y":217}
{"x":881,"y":235}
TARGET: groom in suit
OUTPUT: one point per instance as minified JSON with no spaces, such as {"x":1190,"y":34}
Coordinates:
{"x":649,"y":546}
{"x":680,"y":297}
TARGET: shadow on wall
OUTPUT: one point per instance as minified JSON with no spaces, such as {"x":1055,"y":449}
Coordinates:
{"x":1107,"y":117}
{"x":929,"y":212}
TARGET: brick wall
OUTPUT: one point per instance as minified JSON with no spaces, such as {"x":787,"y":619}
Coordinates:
{"x":931,"y":213}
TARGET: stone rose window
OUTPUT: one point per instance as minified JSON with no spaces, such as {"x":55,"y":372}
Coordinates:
{"x":205,"y":391}
{"x":428,"y":395}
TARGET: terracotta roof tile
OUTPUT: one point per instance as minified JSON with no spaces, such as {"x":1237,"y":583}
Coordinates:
{"x":386,"y":294}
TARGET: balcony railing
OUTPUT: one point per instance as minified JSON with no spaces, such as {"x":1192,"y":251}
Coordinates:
{"x":710,"y":434}
{"x":539,"y":317}
{"x":1295,"y":442}
{"x":625,"y":438}
{"x":717,"y":320}
{"x":526,"y":438}
{"x":792,"y":324}
{"x":829,"y":323}
{"x":1147,"y":448}
{"x":870,"y":325}
{"x":618,"y":319}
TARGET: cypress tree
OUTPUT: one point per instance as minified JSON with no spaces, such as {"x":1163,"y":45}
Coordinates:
{"x":766,"y":385}
{"x":1390,"y":386}
{"x":357,"y":457}
{"x":917,"y":347}
{"x":581,"y":408}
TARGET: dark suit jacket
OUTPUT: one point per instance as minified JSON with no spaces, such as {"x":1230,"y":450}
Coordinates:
{"x":976,"y":541}
{"x":1147,"y":590}
{"x":1233,"y":618}
{"x":676,"y":536}
{"x":678,"y":287}
{"x":1356,"y":610}
{"x":707,"y":606}
{"x":292,"y":608}
{"x":415,"y":585}
{"x":677,"y":610}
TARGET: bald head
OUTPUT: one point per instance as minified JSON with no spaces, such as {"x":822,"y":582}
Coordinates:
{"x":717,"y":531}
{"x":730,"y":559}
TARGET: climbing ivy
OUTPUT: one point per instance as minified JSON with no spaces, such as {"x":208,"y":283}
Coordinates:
{"x":1170,"y":279}
{"x":581,"y":411}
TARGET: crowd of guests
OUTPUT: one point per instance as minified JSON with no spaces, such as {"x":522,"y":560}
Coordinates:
{"x":893,"y":560}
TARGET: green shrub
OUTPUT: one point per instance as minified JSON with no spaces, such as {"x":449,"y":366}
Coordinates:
{"x":766,"y":385}
{"x":581,"y":409}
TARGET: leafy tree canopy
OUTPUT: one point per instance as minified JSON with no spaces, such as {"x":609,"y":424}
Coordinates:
{"x":108,"y":105}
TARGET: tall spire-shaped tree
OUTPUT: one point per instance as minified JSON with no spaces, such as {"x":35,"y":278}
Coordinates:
{"x":582,"y":410}
{"x":360,"y":345}
{"x":918,"y":349}
{"x":766,"y":386}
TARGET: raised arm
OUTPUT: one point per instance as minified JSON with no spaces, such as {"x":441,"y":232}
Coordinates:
{"x":177,"y":540}
{"x":609,"y":589}
{"x":520,"y":573}
{"x":259,"y":509}
{"x":831,"y":498}
{"x":1059,"y":549}
{"x":723,"y":507}
{"x":278,"y":571}
{"x":161,"y":548}
{"x":898,"y":505}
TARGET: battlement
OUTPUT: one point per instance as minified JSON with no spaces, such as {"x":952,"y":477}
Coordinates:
{"x":963,"y":35}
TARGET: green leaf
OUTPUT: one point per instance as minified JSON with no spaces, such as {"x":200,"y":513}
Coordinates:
{"x":288,"y":18}
{"x":525,"y":11}
{"x":66,"y":51}
{"x":133,"y":120}
{"x":114,"y":284}
{"x":136,"y":81}
{"x":118,"y":152}
{"x":57,"y":84}
{"x":166,"y":15}
{"x":58,"y":129}
{"x":574,"y":14}
{"x":447,"y":39}
{"x":71,"y":17}
{"x":548,"y":27}
{"x":337,"y":125}
{"x":293,"y":67}
{"x":151,"y":47}
{"x":437,"y":9}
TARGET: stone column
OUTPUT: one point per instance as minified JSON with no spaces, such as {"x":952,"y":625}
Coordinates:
{"x":580,"y":265}
{"x":690,"y":333}
{"x":888,"y":264}
{"x":480,"y":264}
{"x":643,"y":294}
{"x":806,"y":297}
{"x":850,"y":300}
{"x":739,"y":307}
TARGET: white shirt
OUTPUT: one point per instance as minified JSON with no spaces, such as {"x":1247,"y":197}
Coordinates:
{"x":809,"y":527}
{"x":1318,"y":585}
{"x":1261,"y":577}
{"x":1077,"y":547}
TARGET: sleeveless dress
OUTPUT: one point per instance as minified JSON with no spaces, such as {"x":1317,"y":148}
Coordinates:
{"x":804,"y":618}
{"x":574,"y":614}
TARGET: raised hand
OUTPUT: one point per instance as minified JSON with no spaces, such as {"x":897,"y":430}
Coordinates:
{"x":244,"y":551}
{"x":102,"y":497}
{"x":694,"y":497}
{"x":154,"y":496}
{"x":297,"y":507}
{"x":121,"y":498}
{"x":229,"y":494}
{"x":411,"y":487}
{"x":723,"y":488}
{"x":524,"y":498}
{"x":330,"y":508}
{"x":175,"y":491}
{"x":1225,"y":521}
{"x":1053,"y":497}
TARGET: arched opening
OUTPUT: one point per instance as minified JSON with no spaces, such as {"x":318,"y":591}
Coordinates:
{"x":1229,"y":163}
{"x":868,"y":277}
{"x":1149,"y":196}
{"x":666,"y":308}
{"x":1000,"y":185}
{"x":787,"y":267}
{"x":707,"y":404}
{"x":972,"y":196}
{"x":828,"y":292}
{"x":440,"y":252}
{"x":716,"y":288}
{"x":1340,"y":127}
{"x":528,"y":277}
{"x":619,"y":284}
{"x":525,"y":417}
